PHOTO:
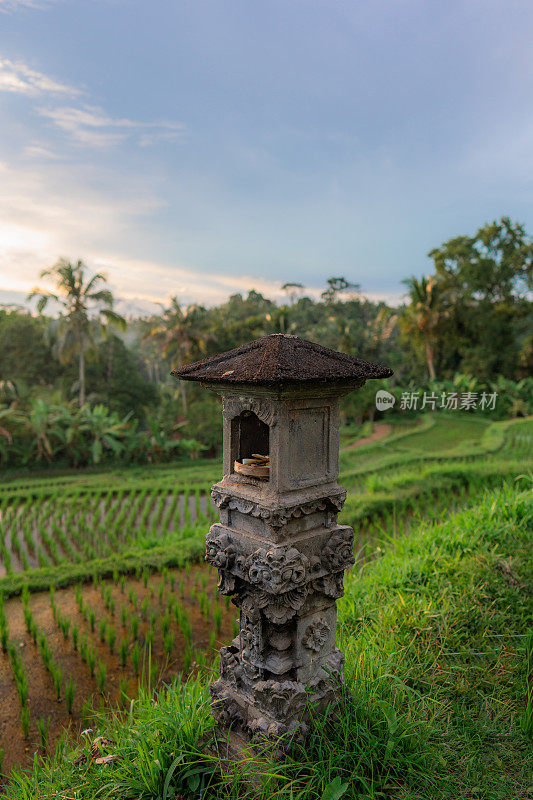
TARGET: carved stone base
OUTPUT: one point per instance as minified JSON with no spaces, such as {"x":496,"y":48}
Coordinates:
{"x":273,"y":711}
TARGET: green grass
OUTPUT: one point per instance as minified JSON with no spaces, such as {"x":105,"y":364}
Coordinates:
{"x":432,"y":442}
{"x":435,"y":635}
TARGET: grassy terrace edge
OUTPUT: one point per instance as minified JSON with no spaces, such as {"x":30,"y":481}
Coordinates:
{"x":61,"y":575}
{"x":437,"y":653}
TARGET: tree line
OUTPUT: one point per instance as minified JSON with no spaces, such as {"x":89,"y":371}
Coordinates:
{"x":79,"y":383}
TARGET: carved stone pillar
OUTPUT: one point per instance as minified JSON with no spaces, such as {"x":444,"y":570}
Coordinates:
{"x":279,"y":551}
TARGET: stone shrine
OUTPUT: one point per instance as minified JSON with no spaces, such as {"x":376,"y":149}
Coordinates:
{"x":279,"y":551}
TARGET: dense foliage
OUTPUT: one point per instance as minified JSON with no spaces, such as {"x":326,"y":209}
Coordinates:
{"x":465,"y":328}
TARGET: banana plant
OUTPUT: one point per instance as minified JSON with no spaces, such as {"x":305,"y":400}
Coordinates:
{"x":42,"y":423}
{"x":105,"y":429}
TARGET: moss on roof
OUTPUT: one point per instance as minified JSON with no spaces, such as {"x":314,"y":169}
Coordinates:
{"x":281,"y":358}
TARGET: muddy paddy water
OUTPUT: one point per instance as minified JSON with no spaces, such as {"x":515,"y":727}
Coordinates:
{"x":178,"y":615}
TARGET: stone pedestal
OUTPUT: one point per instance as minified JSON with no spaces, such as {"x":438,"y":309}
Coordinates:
{"x":281,"y":555}
{"x":279,"y":551}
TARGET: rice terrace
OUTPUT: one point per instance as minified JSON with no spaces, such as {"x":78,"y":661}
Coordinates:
{"x":105,"y":601}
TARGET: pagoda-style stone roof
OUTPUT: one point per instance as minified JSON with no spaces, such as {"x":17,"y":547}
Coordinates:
{"x":281,"y":358}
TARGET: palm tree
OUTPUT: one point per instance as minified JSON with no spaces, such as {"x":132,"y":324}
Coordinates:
{"x":179,"y":333}
{"x":86,"y":309}
{"x":422,"y":317}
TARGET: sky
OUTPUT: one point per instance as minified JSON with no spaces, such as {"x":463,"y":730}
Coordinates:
{"x":200,"y":148}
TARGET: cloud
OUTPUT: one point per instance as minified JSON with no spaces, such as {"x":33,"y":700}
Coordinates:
{"x":7,"y":6}
{"x":52,"y":211}
{"x":143,"y":285}
{"x":37,"y":150}
{"x":18,"y":78}
{"x":87,"y":125}
{"x":91,"y":126}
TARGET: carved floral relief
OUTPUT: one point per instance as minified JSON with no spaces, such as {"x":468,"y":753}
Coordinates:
{"x":338,"y":553}
{"x":316,"y":635}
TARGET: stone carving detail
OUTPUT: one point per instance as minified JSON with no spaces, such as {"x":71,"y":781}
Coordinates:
{"x":251,"y":644}
{"x":282,"y":699}
{"x":261,"y":409}
{"x":220,"y":551}
{"x":280,"y":608}
{"x":277,"y":570}
{"x":228,"y":711}
{"x":331,"y":585}
{"x":281,"y":516}
{"x":264,"y":728}
{"x":280,"y":638}
{"x":226,"y":582}
{"x":316,"y":636}
{"x":224,"y":707}
{"x":280,"y":571}
{"x":230,"y":668}
{"x":338,"y":553}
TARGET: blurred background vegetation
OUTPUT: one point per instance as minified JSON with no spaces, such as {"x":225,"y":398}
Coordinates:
{"x":80,"y":384}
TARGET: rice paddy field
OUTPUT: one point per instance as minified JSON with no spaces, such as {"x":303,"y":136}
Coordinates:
{"x":105,"y":598}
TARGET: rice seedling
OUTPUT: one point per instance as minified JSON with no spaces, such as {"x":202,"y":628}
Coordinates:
{"x":70,"y":691}
{"x":144,"y":608}
{"x":187,"y":658}
{"x":149,"y":637}
{"x":90,"y":656}
{"x":136,"y":658}
{"x":101,"y":675}
{"x":86,"y":713}
{"x":64,"y":624}
{"x":25,"y":721}
{"x":57,"y":677}
{"x":123,"y":692}
{"x":123,"y":651}
{"x":134,"y":622}
{"x":43,"y":726}
{"x":168,"y":643}
{"x":111,"y":637}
